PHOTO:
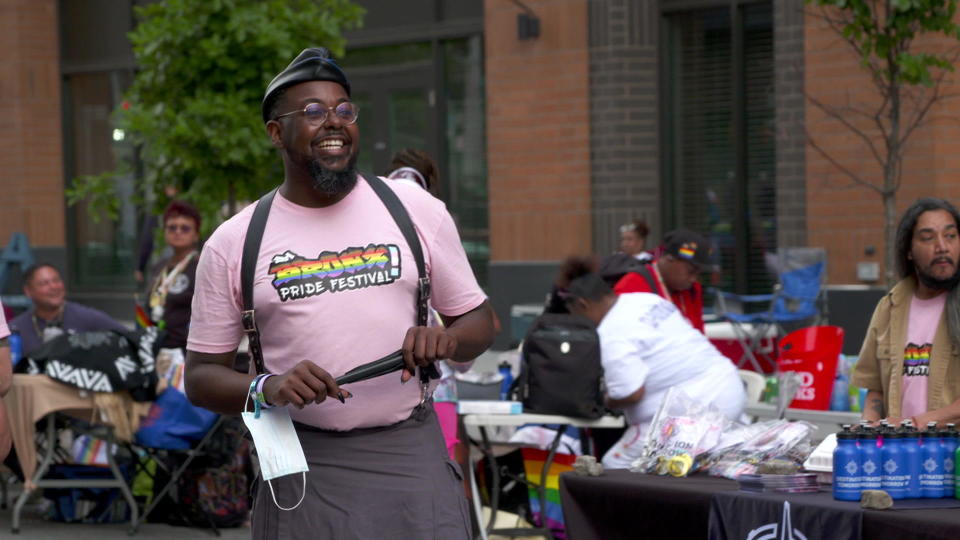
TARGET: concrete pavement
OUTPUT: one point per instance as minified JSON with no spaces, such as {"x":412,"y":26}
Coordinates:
{"x":34,"y":527}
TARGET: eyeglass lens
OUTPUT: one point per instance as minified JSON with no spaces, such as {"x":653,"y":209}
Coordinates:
{"x":346,"y":112}
{"x":181,"y":228}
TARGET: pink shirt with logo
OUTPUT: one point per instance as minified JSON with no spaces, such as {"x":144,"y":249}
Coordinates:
{"x":921,"y":328}
{"x":336,"y":286}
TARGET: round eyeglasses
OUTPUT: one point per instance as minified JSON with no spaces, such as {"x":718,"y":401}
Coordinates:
{"x":317,"y":114}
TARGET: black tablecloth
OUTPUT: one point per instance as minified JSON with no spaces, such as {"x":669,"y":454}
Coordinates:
{"x":621,"y":504}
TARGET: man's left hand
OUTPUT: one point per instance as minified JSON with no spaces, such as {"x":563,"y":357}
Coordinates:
{"x":424,"y":345}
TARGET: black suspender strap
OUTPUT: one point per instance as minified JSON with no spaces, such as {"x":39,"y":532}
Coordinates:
{"x":248,"y":267}
{"x":402,"y":218}
{"x":251,"y":250}
{"x":400,"y":215}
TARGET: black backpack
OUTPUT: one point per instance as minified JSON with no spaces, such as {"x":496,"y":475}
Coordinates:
{"x":613,"y":267}
{"x":560,"y":371}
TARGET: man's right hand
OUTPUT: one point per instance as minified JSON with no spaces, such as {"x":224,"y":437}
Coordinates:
{"x":304,"y":383}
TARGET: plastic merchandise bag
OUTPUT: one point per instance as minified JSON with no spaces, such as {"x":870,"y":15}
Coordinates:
{"x":765,"y":441}
{"x":681,"y":430}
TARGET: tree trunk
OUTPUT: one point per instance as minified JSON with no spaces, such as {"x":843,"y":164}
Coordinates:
{"x":890,"y":237}
{"x":891,"y":169}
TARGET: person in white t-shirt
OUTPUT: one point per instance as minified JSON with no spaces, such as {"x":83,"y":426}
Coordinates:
{"x":334,"y":287}
{"x":646,"y":347}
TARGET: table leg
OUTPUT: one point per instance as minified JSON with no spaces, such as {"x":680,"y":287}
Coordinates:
{"x":48,"y":451}
{"x":477,"y":505}
{"x":494,"y":476}
{"x":122,"y":485}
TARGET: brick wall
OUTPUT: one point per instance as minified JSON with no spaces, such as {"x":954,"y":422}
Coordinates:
{"x":841,"y":216}
{"x":538,"y":131}
{"x":788,"y":34}
{"x":624,"y":131}
{"x":31,"y":155}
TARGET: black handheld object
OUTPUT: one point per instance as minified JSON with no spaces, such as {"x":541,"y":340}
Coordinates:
{"x":388,"y":364}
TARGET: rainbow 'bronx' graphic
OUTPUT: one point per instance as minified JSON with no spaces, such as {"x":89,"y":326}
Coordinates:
{"x":295,"y":276}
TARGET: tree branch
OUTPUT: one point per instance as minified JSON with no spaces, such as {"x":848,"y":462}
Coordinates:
{"x":847,"y":172}
{"x":836,"y":115}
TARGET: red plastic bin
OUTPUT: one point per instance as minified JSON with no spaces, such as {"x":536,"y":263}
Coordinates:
{"x":812,"y":352}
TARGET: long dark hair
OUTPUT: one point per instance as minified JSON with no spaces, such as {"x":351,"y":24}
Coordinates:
{"x":908,"y":222}
{"x":905,"y":266}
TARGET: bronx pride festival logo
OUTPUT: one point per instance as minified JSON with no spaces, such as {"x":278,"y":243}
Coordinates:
{"x":295,"y":276}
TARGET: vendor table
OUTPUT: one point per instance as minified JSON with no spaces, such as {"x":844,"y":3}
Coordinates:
{"x":484,"y":421}
{"x":621,"y":504}
{"x":35,"y":397}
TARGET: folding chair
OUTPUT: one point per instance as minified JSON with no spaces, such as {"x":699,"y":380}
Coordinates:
{"x":173,"y":435}
{"x":798,"y":297}
{"x":174,"y":463}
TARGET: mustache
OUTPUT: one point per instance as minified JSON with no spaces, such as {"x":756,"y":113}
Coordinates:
{"x":942,"y":259}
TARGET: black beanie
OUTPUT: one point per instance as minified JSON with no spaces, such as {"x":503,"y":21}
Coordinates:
{"x":313,"y":64}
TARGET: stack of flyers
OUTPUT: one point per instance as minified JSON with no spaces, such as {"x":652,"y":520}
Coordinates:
{"x":784,"y":483}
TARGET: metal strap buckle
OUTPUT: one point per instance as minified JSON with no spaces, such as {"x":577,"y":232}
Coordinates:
{"x":249,"y":321}
{"x":423,"y":392}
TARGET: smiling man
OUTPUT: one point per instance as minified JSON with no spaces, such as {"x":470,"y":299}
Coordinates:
{"x":909,"y":362}
{"x":51,"y":314}
{"x":334,"y":287}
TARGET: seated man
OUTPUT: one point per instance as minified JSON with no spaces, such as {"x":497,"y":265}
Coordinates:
{"x":674,"y":274}
{"x":909,"y":362}
{"x":52,"y":314}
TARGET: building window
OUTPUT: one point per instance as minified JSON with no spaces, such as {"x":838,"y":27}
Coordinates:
{"x":430,"y":96}
{"x":101,"y":251}
{"x":719,"y":153}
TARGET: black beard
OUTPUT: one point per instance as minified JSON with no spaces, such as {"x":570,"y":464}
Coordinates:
{"x":332,"y":183}
{"x":938,"y":284}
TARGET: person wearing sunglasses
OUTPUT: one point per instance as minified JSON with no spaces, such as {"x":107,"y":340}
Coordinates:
{"x":171,"y":286}
{"x":335,"y":286}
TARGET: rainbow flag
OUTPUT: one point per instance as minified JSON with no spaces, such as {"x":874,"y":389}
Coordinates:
{"x":533,"y":460}
{"x":143,"y":321}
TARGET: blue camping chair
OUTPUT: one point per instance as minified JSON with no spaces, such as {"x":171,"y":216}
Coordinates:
{"x":173,"y":435}
{"x":798,"y":298}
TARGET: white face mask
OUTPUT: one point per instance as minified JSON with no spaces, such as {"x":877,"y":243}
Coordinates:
{"x":278,"y":447}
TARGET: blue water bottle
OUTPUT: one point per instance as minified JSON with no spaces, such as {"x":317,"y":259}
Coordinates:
{"x":871,"y":473}
{"x":839,"y":399}
{"x":911,"y":457}
{"x":931,"y":457}
{"x":504,"y":369}
{"x":16,"y":347}
{"x":846,"y":467}
{"x":895,"y":475}
{"x":949,"y":438}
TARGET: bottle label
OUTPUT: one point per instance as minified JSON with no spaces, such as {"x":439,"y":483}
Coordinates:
{"x":871,"y":475}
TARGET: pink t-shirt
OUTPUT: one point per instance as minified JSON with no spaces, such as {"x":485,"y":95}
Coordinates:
{"x":921,"y":328}
{"x":4,"y":331}
{"x":336,"y":286}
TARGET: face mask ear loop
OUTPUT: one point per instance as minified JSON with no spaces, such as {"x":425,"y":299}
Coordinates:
{"x":302,"y":495}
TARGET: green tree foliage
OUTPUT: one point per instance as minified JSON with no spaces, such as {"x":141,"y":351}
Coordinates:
{"x":908,"y":80}
{"x":193,"y":110}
